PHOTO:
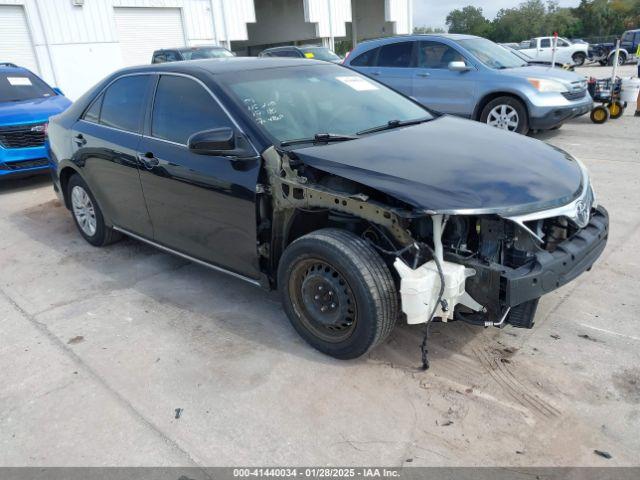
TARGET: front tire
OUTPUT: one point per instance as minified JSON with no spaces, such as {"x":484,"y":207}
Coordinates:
{"x":506,"y":113}
{"x":87,"y":214}
{"x":599,"y":115}
{"x":622,"y":59}
{"x":579,"y":58}
{"x":338,"y":293}
{"x":616,"y":110}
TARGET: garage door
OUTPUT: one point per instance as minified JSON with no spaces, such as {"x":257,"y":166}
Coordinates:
{"x":143,"y":30}
{"x":15,"y":41}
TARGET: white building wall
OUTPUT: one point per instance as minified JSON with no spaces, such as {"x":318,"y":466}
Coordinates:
{"x":77,"y":46}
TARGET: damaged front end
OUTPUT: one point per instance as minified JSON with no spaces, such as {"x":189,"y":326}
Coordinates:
{"x":481,"y":268}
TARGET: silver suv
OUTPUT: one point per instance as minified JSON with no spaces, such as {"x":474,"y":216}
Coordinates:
{"x":474,"y":78}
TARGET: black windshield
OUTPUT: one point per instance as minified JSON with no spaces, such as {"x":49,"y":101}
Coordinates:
{"x":19,"y":86}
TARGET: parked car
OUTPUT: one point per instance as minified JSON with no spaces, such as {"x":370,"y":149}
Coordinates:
{"x":26,"y":103}
{"x":315,"y":52}
{"x":190,"y":53}
{"x":352,"y":199}
{"x":541,"y":48}
{"x":512,"y":45}
{"x":474,"y":78}
{"x":540,"y":63}
{"x":603,"y":53}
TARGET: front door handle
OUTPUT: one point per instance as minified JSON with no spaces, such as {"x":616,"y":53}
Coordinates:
{"x":375,"y":73}
{"x":80,"y":140}
{"x":424,"y":74}
{"x":148,"y":160}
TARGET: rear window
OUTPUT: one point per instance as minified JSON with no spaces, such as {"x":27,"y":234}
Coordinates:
{"x":201,"y":53}
{"x":20,"y":86}
{"x":320,"y":53}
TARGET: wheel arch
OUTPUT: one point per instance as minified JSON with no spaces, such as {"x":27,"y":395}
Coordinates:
{"x":484,"y":101}
{"x":65,"y":174}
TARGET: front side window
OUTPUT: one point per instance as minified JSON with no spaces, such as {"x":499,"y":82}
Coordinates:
{"x":545,"y":43}
{"x":295,"y":103}
{"x":627,"y":37}
{"x":397,"y":55}
{"x":183,"y":107}
{"x":437,"y":55}
{"x":124,"y":103}
{"x":20,"y":86}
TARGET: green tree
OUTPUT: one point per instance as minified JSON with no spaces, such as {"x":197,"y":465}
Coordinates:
{"x":469,"y":20}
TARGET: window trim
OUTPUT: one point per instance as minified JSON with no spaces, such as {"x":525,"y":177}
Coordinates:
{"x":152,"y":105}
{"x":412,"y":60}
{"x":149,"y":106}
{"x":101,"y":94}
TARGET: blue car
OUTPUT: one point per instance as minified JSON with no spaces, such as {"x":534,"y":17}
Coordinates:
{"x":473,"y":77}
{"x":26,"y":103}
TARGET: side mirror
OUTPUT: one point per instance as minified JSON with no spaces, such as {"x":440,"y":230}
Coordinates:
{"x":218,"y":142}
{"x":458,"y":67}
{"x":58,"y":91}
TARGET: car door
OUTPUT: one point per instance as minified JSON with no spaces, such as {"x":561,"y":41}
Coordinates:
{"x":106,"y":141}
{"x":200,"y":205}
{"x":394,"y":66}
{"x":545,"y":49}
{"x":438,"y":87}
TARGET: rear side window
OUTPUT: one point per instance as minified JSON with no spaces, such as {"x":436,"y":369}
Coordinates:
{"x":93,"y":112}
{"x":124,"y":102}
{"x":183,"y":107}
{"x":367,"y":59}
{"x":397,"y":55}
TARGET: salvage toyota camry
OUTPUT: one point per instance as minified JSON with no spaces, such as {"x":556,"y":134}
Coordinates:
{"x":358,"y":204}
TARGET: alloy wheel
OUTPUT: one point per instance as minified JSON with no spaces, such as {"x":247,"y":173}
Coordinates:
{"x":504,"y":117}
{"x":83,"y":210}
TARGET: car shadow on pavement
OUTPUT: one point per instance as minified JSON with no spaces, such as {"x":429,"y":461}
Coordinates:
{"x":13,"y":185}
{"x":208,"y":301}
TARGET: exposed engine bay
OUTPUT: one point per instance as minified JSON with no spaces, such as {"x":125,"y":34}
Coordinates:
{"x":482,"y":269}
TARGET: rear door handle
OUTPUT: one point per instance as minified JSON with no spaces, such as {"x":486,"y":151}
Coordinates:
{"x":148,"y":160}
{"x":375,"y":73}
{"x":80,"y":140}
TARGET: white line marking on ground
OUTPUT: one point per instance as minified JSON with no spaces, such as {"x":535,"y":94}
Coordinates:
{"x":610,"y":332}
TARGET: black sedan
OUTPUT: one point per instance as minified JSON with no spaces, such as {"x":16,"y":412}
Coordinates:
{"x":358,"y":204}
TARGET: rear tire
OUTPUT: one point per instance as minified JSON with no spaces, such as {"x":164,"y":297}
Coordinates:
{"x":338,"y":293}
{"x":87,"y":214}
{"x":506,"y":113}
{"x":579,"y":58}
{"x":622,"y":59}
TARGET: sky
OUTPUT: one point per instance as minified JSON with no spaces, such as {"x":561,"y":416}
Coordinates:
{"x":433,"y":13}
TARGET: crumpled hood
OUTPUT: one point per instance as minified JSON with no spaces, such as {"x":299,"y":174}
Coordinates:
{"x":453,"y":165}
{"x":36,"y":110}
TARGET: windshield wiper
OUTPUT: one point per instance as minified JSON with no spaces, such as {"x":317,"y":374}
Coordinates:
{"x":319,"y":138}
{"x":391,"y":124}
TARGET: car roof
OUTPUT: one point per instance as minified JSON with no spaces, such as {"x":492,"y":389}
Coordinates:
{"x":188,"y":49}
{"x":12,"y":67}
{"x":417,"y":36}
{"x":224,"y":65}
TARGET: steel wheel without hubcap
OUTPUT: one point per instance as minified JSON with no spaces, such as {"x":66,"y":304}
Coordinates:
{"x":504,"y":117}
{"x":323,"y":300}
{"x":83,"y":210}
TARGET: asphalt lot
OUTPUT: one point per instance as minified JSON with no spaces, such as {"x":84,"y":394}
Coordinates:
{"x":100,"y":346}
